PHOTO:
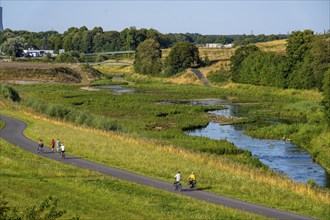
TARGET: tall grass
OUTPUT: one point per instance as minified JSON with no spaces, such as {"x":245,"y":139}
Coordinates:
{"x":79,"y":117}
{"x":8,"y":92}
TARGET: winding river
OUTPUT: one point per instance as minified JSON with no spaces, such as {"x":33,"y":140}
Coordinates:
{"x":280,"y":155}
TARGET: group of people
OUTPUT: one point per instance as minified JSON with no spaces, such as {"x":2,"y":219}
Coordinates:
{"x":191,"y":179}
{"x":60,"y":147}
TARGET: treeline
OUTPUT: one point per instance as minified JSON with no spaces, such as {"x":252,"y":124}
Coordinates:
{"x":239,"y":40}
{"x":82,"y":40}
{"x":304,"y":65}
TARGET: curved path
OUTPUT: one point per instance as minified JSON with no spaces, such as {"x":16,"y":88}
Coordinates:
{"x":13,"y":133}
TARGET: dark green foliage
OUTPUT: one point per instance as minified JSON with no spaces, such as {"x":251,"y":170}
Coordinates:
{"x":236,"y":60}
{"x":298,"y":45}
{"x":68,"y":57}
{"x":304,"y":66}
{"x":182,"y":56}
{"x":76,"y":116}
{"x":48,"y":210}
{"x":9,"y":93}
{"x":148,"y":58}
{"x":13,"y":46}
{"x":326,"y":99}
{"x":219,"y":76}
{"x":263,"y":68}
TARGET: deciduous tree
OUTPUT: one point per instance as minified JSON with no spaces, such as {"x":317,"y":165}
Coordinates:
{"x":182,"y":56}
{"x":148,"y":57}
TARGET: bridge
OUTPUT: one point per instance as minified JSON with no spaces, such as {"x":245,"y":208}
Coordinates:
{"x":112,"y":52}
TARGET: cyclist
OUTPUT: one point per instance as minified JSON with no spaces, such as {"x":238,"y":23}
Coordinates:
{"x":177,"y":178}
{"x":40,"y":146}
{"x":192,"y":180}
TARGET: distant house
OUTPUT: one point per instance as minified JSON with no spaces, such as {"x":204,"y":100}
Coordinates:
{"x":216,"y":45}
{"x":34,"y":51}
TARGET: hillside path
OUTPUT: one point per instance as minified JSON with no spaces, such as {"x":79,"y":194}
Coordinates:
{"x":13,"y":133}
{"x":201,"y":77}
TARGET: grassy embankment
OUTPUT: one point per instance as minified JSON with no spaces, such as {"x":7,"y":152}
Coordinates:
{"x":26,"y":179}
{"x":153,"y":158}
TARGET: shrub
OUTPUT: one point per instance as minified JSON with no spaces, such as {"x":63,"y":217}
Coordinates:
{"x":219,"y":76}
{"x":9,"y":93}
{"x":46,"y":210}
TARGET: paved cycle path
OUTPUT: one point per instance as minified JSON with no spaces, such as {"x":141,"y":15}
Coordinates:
{"x":13,"y":133}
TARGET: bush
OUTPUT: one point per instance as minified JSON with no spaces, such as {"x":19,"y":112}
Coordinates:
{"x":46,"y":210}
{"x":219,"y":76}
{"x":9,"y":93}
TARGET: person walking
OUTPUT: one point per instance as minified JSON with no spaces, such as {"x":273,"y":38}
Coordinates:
{"x":52,"y":143}
{"x":62,"y":155}
{"x":58,"y":146}
{"x":40,"y":145}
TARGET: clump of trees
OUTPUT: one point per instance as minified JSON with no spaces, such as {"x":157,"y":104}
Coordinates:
{"x":304,"y":66}
{"x":148,"y":57}
{"x":182,"y":56}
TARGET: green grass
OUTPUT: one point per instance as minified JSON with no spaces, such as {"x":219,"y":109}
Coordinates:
{"x":151,"y":158}
{"x":27,"y":179}
{"x":165,"y":122}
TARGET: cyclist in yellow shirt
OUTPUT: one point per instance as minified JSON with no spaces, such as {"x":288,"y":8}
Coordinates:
{"x":192,"y":180}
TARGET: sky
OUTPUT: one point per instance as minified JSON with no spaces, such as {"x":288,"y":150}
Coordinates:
{"x":220,"y":17}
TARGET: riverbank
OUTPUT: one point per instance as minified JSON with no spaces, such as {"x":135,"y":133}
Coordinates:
{"x":147,"y":157}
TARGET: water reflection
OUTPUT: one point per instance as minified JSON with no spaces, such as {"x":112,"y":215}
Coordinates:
{"x":116,"y":89}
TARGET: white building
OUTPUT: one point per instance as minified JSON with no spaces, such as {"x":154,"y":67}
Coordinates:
{"x":216,"y":45}
{"x":35,"y":52}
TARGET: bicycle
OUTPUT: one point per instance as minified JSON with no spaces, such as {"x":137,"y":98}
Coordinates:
{"x":177,"y":186}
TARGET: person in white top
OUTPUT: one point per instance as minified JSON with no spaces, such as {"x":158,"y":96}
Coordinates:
{"x":62,"y":150}
{"x":178,"y":177}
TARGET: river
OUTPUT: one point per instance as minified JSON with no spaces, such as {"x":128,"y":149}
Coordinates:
{"x":280,"y":155}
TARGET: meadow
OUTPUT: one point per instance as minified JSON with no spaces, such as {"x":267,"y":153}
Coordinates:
{"x":166,"y":122}
{"x":27,"y":179}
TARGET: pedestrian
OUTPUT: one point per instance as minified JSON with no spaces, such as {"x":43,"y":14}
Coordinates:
{"x":40,"y":145}
{"x":62,"y":151}
{"x":58,"y":145}
{"x":52,"y":143}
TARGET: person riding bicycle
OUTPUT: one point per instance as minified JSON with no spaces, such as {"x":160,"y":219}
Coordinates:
{"x":177,"y":178}
{"x":192,"y":180}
